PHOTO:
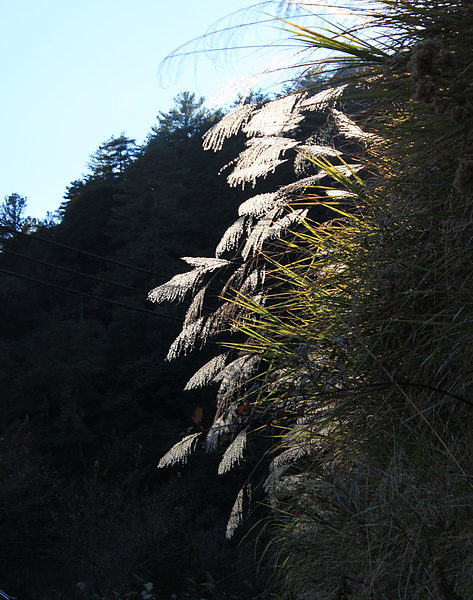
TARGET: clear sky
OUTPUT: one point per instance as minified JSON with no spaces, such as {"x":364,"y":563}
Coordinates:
{"x":76,"y":72}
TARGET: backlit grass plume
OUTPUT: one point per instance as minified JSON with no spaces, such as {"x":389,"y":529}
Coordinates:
{"x":362,"y":326}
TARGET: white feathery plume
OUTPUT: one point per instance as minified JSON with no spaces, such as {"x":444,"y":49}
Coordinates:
{"x":234,"y":281}
{"x":322,"y":99}
{"x":259,"y":232}
{"x":318,"y":150}
{"x":206,"y":264}
{"x":279,"y":466}
{"x":261,"y":157}
{"x":195,"y":309}
{"x":259,"y":299}
{"x":231,"y":378}
{"x":258,"y":205}
{"x":348,"y":169}
{"x":233,"y":454}
{"x":229,"y":125}
{"x":267,"y":228}
{"x":276,"y":117}
{"x":306,"y":152}
{"x":232,"y":236}
{"x":280,"y":226}
{"x":207,"y":372}
{"x":236,"y":515}
{"x":254,"y":281}
{"x":238,"y":370}
{"x":350,"y":129}
{"x":186,"y":339}
{"x":340,"y":194}
{"x":217,"y":428}
{"x":222,"y":425}
{"x":177,"y":287}
{"x":311,"y":181}
{"x":180,"y":452}
{"x":218,"y":321}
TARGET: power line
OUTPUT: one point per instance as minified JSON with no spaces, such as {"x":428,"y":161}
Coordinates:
{"x":110,"y":260}
{"x":86,"y":295}
{"x":67,"y":270}
{"x":35,"y":237}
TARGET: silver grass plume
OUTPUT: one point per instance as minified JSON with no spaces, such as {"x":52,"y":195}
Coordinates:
{"x":206,"y":264}
{"x":207,"y":372}
{"x":318,"y":150}
{"x":349,"y":169}
{"x":340,"y":194}
{"x":229,"y":125}
{"x":223,"y":425}
{"x":194,"y":311}
{"x":253,"y":282}
{"x":259,"y":233}
{"x":276,"y":117}
{"x":232,"y":236}
{"x":278,"y":467}
{"x":259,"y":299}
{"x":238,"y":370}
{"x":177,"y":287}
{"x":186,"y":339}
{"x":323,"y":99}
{"x":233,"y":454}
{"x":236,"y":515}
{"x":219,"y":320}
{"x":280,"y":226}
{"x":350,"y":129}
{"x":298,"y":443}
{"x":258,"y":205}
{"x":212,"y":440}
{"x":180,"y":452}
{"x":262,"y":156}
{"x":268,"y":228}
{"x":235,"y":279}
{"x":232,"y":377}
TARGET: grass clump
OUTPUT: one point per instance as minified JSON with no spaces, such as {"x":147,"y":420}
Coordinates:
{"x":358,"y":325}
{"x":367,"y":332}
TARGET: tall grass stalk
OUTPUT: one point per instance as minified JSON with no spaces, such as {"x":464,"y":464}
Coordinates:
{"x":367,"y":332}
{"x":355,"y":338}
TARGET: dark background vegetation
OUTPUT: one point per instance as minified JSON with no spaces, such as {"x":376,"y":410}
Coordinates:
{"x":89,"y":403}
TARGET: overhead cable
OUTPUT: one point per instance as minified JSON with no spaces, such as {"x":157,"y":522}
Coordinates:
{"x":48,"y":264}
{"x":110,"y":260}
{"x":84,"y":294}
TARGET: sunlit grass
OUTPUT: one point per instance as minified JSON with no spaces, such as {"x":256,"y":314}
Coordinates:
{"x":367,"y":331}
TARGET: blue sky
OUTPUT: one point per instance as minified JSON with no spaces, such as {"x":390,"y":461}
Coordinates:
{"x":76,"y":72}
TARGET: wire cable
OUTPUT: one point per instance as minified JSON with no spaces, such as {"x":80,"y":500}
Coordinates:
{"x":86,"y":295}
{"x":67,"y":270}
{"x":110,"y":260}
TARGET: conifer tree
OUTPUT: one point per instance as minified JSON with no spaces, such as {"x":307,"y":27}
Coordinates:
{"x":185,"y":120}
{"x":112,"y":157}
{"x":12,"y":211}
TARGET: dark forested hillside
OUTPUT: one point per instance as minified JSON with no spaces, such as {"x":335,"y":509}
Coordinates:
{"x":89,"y":403}
{"x":345,"y":389}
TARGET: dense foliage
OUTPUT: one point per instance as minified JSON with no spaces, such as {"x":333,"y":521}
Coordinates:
{"x":340,"y":298}
{"x":88,"y":402}
{"x":357,"y":339}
